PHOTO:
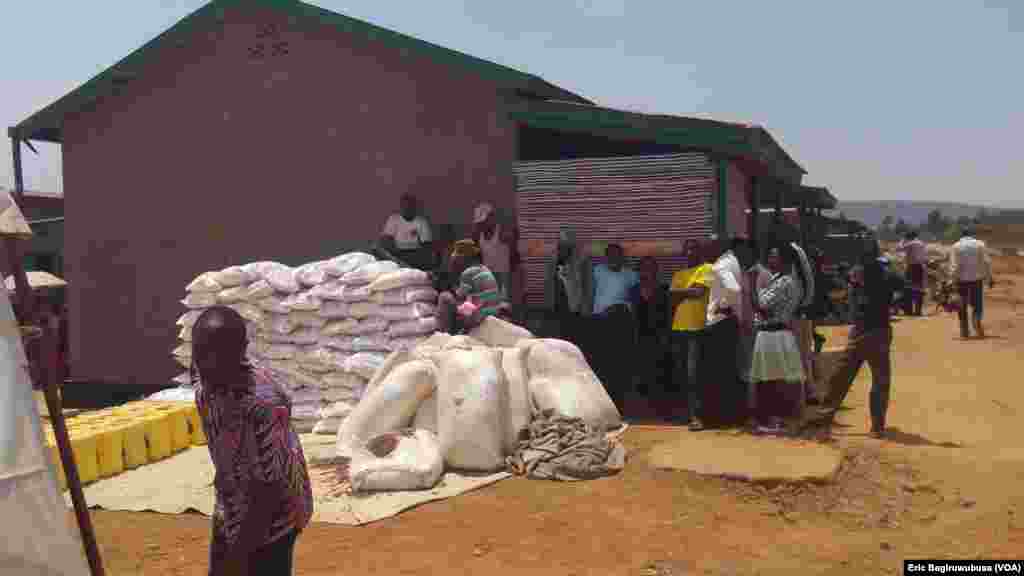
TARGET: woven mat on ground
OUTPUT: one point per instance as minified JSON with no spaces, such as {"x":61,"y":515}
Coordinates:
{"x":184,"y":483}
{"x":559,"y":448}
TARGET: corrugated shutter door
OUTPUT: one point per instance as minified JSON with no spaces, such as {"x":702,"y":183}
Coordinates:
{"x":632,"y":199}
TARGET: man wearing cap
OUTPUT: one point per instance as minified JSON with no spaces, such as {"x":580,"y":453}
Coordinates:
{"x":495,"y":243}
{"x":970,"y":267}
{"x":407,"y":234}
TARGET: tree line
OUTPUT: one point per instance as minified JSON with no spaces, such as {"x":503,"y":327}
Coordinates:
{"x":936,"y":228}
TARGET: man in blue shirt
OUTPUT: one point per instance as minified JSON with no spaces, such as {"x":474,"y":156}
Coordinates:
{"x":613,"y":284}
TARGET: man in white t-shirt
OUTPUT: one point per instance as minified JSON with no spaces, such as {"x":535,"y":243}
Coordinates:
{"x":407,"y":234}
{"x":970,"y":267}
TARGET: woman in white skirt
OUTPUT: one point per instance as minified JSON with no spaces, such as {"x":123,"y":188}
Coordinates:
{"x":777,"y":373}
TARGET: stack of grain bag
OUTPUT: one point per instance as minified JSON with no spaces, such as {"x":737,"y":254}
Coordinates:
{"x":324,"y":327}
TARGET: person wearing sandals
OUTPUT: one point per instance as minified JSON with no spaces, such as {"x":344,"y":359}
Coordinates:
{"x":689,"y":295}
{"x":777,"y":373}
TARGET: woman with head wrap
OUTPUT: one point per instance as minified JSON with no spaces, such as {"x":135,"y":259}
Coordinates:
{"x":476,"y":294}
{"x":263,"y":496}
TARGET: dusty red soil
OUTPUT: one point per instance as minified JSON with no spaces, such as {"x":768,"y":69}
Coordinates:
{"x":946,"y":484}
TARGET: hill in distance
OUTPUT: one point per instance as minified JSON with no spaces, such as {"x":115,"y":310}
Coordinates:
{"x":872,"y":213}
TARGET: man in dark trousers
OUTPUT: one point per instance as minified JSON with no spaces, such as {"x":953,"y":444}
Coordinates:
{"x":722,"y":335}
{"x":870,"y":341}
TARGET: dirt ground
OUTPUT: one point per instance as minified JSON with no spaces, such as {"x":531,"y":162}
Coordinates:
{"x":946,"y":484}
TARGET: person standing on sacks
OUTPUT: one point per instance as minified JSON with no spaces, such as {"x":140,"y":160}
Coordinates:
{"x":689,"y":304}
{"x":263,"y":494}
{"x":495,"y":243}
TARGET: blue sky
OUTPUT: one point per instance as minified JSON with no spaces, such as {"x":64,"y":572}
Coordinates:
{"x":907,"y":99}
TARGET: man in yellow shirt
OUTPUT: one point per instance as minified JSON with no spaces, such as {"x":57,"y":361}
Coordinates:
{"x":689,"y":305}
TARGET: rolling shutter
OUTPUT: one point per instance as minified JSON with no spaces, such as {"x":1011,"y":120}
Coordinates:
{"x":630,"y":200}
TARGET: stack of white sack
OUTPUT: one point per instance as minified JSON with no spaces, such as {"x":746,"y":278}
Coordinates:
{"x":474,"y":394}
{"x":324,"y":327}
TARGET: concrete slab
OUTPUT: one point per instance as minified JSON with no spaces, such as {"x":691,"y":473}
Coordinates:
{"x":761,"y":459}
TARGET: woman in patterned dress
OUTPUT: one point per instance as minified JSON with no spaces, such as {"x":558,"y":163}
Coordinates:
{"x":777,"y":374}
{"x":263,"y":496}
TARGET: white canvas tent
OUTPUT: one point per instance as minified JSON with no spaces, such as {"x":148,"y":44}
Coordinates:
{"x":38,"y":536}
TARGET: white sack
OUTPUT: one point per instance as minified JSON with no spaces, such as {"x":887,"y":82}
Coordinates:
{"x":337,"y":411}
{"x":185,"y":334}
{"x":388,"y":407}
{"x":184,"y":380}
{"x":312,"y":274}
{"x":362,"y":310}
{"x":320,"y":359}
{"x":341,"y":327}
{"x":426,"y":414}
{"x":233,"y":294}
{"x":248,"y":312}
{"x":341,"y":265}
{"x":343,"y":343}
{"x":354,"y":294}
{"x":204,"y":283}
{"x":371,"y":343}
{"x":367,"y":273}
{"x":365,"y":364}
{"x":391,"y":361}
{"x":281,"y":277}
{"x":327,"y":426}
{"x":400,"y":279}
{"x":407,"y":295}
{"x":279,"y":351}
{"x":301,"y":301}
{"x":341,"y":395}
{"x":344,"y":381}
{"x":188,"y":319}
{"x":278,"y":323}
{"x":561,"y":380}
{"x":498,"y":333}
{"x":300,"y":337}
{"x":330,"y":309}
{"x":308,"y":319}
{"x":417,"y":327}
{"x":520,"y":410}
{"x":413,"y":311}
{"x":369,"y":326}
{"x":232,"y":276}
{"x":200,"y":300}
{"x":472,"y":404}
{"x":183,"y":350}
{"x":414,"y":464}
{"x":259,"y":290}
{"x":290,"y":374}
{"x":407,"y":342}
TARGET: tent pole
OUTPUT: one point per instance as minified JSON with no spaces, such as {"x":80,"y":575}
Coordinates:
{"x":25,"y":297}
{"x":50,"y":371}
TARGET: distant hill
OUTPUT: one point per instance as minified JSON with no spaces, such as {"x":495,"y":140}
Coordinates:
{"x":913,"y":213}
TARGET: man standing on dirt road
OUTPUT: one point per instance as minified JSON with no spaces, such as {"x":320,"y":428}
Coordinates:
{"x":970,"y":267}
{"x":870,"y":341}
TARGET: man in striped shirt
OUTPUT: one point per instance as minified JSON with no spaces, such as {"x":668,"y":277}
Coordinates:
{"x":477,"y":294}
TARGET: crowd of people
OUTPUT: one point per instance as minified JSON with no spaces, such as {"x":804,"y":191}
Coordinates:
{"x":732,"y":337}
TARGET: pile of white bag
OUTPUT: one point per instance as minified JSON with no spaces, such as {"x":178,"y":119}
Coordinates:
{"x":466,"y":399}
{"x":325,"y":327}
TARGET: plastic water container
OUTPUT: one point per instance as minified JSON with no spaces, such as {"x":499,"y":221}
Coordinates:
{"x":110,"y":451}
{"x":178,"y":420}
{"x":84,"y":448}
{"x":158,"y":436}
{"x":195,"y":426}
{"x":135,"y":449}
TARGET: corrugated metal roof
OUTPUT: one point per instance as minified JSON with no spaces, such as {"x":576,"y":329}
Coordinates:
{"x":46,"y":124}
{"x":752,"y":143}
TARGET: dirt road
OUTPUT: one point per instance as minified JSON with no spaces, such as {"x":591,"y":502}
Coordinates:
{"x":946,"y":484}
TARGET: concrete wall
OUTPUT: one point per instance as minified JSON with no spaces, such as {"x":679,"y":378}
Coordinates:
{"x":213,"y":157}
